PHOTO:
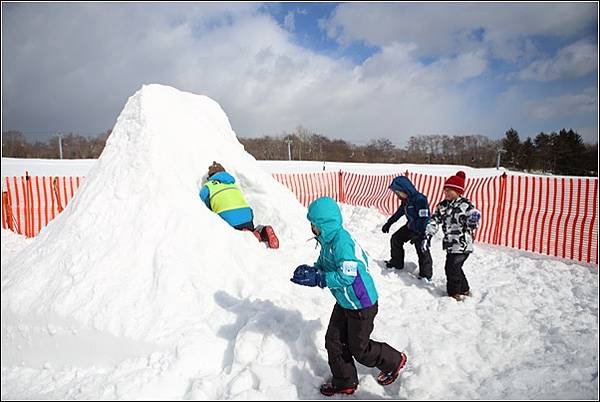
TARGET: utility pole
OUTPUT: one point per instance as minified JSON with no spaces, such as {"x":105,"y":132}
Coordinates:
{"x":289,"y":143}
{"x":60,"y":146}
{"x":500,"y":151}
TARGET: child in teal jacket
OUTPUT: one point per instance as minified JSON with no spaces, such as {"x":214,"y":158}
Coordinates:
{"x":343,"y":267}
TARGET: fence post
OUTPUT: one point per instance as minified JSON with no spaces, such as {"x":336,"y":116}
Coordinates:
{"x":31,"y":206}
{"x":7,"y":215}
{"x":25,"y":203}
{"x":56,"y":191}
{"x":341,"y":187}
{"x":500,"y":206}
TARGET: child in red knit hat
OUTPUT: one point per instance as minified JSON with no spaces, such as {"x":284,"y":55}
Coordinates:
{"x":459,"y":218}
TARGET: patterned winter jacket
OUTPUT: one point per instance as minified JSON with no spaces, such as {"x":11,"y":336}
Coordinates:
{"x":458,"y":231}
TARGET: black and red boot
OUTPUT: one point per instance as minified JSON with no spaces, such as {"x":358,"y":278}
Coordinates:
{"x":328,"y":389}
{"x":388,"y":378}
{"x":268,"y":234}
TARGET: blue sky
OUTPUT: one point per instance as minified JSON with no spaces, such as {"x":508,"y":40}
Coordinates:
{"x":302,"y":21}
{"x":356,"y":71}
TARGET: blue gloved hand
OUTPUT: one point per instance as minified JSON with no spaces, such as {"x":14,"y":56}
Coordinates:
{"x":473,"y":217}
{"x":301,"y":271}
{"x":306,"y":275}
{"x":424,"y":243}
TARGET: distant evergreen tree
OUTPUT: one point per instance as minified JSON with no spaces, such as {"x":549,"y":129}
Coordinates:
{"x":569,"y":150}
{"x":512,"y":146}
{"x":526,"y":161}
{"x":543,"y":155}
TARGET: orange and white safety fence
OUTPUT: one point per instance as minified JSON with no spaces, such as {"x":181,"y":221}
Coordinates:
{"x":556,"y":216}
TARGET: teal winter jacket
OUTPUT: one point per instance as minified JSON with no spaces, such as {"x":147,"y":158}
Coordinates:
{"x":342,"y":260}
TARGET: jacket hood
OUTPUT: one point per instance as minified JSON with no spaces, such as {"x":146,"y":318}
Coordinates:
{"x":325,"y":214}
{"x":402,"y":183}
{"x":223,"y":177}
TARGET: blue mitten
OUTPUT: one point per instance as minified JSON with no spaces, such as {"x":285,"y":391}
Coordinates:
{"x":305,"y":275}
{"x":474,"y":217}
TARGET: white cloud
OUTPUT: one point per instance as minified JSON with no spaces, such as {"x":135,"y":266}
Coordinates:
{"x":72,"y":67}
{"x":443,"y":29}
{"x":576,"y":60}
{"x":289,"y":21}
{"x":84,"y":61}
{"x":564,"y":105}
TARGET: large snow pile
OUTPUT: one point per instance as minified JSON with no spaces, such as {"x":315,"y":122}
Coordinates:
{"x":136,"y":253}
{"x":138,"y":291}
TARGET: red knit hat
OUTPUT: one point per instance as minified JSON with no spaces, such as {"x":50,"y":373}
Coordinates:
{"x":456,"y":182}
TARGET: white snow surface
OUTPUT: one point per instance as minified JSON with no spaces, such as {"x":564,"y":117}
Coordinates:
{"x":138,"y":291}
{"x":81,"y":167}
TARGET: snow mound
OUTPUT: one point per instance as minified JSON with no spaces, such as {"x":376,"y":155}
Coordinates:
{"x":136,"y":253}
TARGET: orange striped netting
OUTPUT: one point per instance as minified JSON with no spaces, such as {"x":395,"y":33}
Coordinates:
{"x":555,"y":216}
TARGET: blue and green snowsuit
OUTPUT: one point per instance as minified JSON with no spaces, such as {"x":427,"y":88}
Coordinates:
{"x":342,"y":260}
{"x":221,"y":195}
{"x":345,"y":266}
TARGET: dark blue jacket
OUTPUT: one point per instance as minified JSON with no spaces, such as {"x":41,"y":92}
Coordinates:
{"x":416,"y":207}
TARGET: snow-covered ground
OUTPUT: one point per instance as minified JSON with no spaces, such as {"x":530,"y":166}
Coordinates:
{"x":80,"y":167}
{"x":137,"y":291}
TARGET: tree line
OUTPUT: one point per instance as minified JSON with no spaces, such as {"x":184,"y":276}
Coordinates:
{"x":74,"y":146}
{"x":562,"y":153}
{"x":302,"y":144}
{"x":557,"y":153}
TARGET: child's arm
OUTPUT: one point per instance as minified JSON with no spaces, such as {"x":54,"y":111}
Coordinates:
{"x":205,"y":196}
{"x":319,"y":263}
{"x":422,"y":215}
{"x":434,"y":222}
{"x":346,"y":267}
{"x":471,"y":216}
{"x":397,"y":215}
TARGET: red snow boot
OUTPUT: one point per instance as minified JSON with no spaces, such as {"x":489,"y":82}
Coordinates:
{"x":268,"y":235}
{"x":328,"y":389}
{"x":388,"y":378}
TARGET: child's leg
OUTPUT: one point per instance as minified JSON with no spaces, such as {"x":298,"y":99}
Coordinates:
{"x":425,"y":263}
{"x":366,"y":351}
{"x":454,"y":274}
{"x":245,"y":226}
{"x":464,"y":287}
{"x":339,"y":357}
{"x":397,"y":241}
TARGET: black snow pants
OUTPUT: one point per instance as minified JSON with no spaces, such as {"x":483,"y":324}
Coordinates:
{"x":403,"y":235}
{"x":348,"y":338}
{"x":456,"y":280}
